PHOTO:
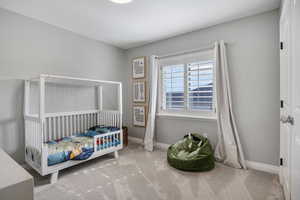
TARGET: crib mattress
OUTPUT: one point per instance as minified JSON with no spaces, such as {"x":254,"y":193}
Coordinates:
{"x":68,"y":148}
{"x":78,"y":147}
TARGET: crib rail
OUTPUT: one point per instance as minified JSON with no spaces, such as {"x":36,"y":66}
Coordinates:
{"x":59,"y":125}
{"x":62,"y":125}
{"x":103,"y":144}
{"x":107,"y":141}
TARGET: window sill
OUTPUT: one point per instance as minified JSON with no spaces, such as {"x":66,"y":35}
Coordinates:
{"x":185,"y":116}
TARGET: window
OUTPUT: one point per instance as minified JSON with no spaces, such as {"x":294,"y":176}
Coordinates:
{"x":200,"y":81}
{"x":187,"y":86}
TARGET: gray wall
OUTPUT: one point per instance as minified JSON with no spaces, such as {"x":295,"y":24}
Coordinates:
{"x":29,"y":48}
{"x":253,"y":56}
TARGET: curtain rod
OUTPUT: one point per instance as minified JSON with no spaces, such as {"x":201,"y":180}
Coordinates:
{"x":211,"y":46}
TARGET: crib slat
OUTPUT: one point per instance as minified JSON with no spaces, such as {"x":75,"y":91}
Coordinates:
{"x":86,"y":120}
{"x":59,"y":128}
{"x":107,"y":119}
{"x":71,"y":125}
{"x":38,"y":135}
{"x":54,"y":128}
{"x":34,"y":134}
{"x":78,"y":123}
{"x":117,"y":121}
{"x":109,"y":115}
{"x":94,"y":121}
{"x":49,"y":128}
{"x":81,"y":123}
{"x":46,"y":130}
{"x":114,"y":120}
{"x":74,"y":124}
{"x":31,"y":130}
{"x":101,"y":118}
{"x":67,"y":125}
{"x":63,"y":127}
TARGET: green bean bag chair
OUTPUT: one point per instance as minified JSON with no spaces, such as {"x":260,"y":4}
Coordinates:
{"x":192,"y":153}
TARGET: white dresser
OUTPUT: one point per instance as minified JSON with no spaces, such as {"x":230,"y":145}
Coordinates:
{"x":15,"y":182}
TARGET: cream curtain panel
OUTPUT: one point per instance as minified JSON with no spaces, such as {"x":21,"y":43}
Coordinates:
{"x":150,"y":127}
{"x":228,"y":149}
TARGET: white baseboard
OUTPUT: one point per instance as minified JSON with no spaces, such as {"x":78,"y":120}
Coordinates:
{"x":140,"y":141}
{"x":273,"y":169}
{"x":162,"y":145}
{"x":135,"y":140}
{"x":250,"y":164}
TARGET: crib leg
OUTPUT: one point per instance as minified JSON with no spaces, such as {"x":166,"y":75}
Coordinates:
{"x":54,"y":177}
{"x":116,"y":153}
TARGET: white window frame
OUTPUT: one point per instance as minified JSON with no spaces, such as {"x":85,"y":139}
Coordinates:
{"x":201,"y":114}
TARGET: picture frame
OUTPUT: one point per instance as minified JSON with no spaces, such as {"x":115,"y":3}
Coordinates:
{"x":139,"y":116}
{"x":139,"y":91}
{"x":139,"y":67}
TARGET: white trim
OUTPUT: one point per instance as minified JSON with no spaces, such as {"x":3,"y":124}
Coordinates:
{"x":191,"y":116}
{"x":273,"y":169}
{"x":140,"y":141}
{"x":162,"y":146}
{"x":135,"y":140}
{"x":186,"y":110}
{"x":204,"y":48}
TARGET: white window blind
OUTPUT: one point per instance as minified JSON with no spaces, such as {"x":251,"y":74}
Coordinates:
{"x":173,"y":87}
{"x":187,"y":83}
{"x":200,"y":80}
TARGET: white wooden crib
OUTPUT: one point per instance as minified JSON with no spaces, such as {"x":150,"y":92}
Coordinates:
{"x":43,"y":127}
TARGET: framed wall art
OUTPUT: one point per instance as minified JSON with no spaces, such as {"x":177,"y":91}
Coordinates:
{"x":139,"y":67}
{"x":139,"y":91}
{"x":139,"y":116}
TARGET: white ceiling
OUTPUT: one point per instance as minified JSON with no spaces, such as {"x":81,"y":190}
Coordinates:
{"x":137,"y":23}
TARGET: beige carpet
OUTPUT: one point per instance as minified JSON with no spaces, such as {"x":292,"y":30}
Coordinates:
{"x":141,"y":175}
